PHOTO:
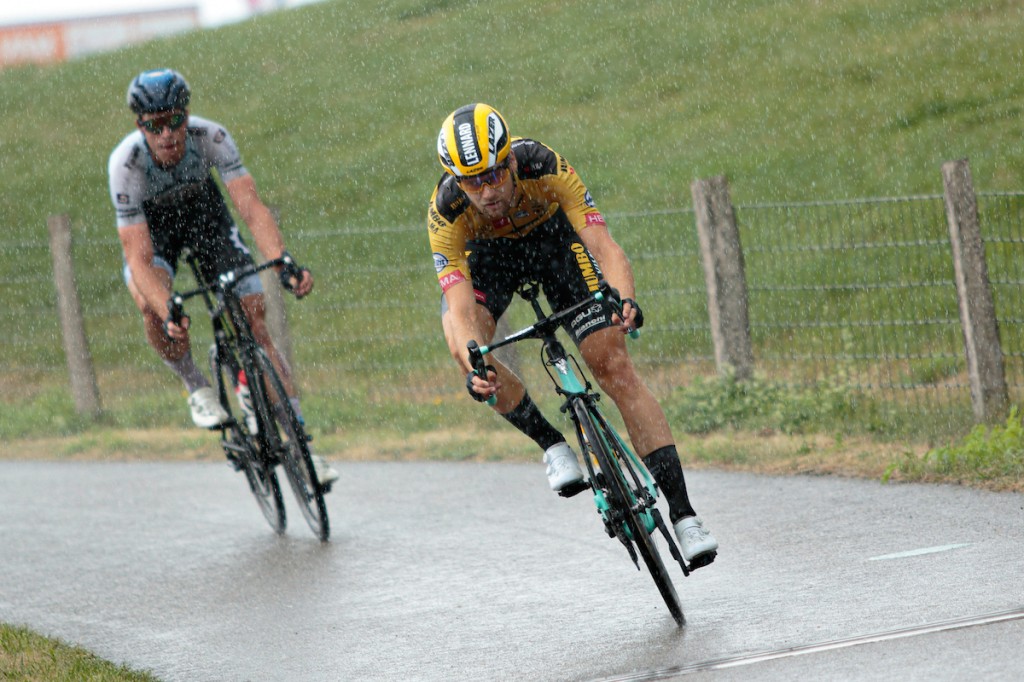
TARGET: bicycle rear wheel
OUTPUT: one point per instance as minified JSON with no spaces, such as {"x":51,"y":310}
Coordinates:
{"x":622,"y":500}
{"x":242,"y":448}
{"x":281,"y":432}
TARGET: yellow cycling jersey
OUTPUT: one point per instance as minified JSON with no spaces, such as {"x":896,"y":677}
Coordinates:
{"x":546,"y":184}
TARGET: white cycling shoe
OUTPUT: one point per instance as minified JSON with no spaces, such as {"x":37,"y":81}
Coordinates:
{"x":325,"y":473}
{"x":563,"y":468}
{"x":207,"y":412}
{"x":698,"y":545}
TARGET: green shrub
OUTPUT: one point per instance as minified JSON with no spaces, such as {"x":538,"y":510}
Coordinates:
{"x":708,"y":405}
{"x":984,"y":454}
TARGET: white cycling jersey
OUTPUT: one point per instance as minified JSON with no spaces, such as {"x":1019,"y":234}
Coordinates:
{"x":182,"y":205}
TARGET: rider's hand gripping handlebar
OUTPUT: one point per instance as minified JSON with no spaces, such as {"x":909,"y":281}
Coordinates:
{"x":290,"y":273}
{"x":480,"y":369}
{"x":175,"y":312}
{"x":616,"y":301}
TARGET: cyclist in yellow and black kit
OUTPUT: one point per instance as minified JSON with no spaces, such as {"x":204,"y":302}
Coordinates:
{"x":511,"y":210}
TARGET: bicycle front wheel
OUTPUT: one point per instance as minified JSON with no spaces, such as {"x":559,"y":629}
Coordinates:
{"x":242,"y":448}
{"x":623,"y":503}
{"x":281,"y":433}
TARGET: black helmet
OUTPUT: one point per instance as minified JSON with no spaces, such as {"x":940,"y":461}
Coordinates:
{"x":158,"y":90}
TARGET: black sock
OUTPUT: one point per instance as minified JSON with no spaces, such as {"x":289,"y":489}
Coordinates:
{"x":664,"y":466}
{"x":527,"y":418}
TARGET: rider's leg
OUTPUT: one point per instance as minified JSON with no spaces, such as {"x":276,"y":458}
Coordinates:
{"x":605,"y":353}
{"x":518,"y":409}
{"x":513,"y":401}
{"x":255,"y":308}
{"x":176,"y":354}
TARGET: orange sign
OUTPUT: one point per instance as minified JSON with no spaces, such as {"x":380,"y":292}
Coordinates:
{"x":38,"y":44}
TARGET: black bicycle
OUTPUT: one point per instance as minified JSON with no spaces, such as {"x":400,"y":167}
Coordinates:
{"x":271,"y":433}
{"x":624,"y":491}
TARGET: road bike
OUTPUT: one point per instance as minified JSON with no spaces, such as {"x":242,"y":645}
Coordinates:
{"x":624,"y":491}
{"x":271,"y":433}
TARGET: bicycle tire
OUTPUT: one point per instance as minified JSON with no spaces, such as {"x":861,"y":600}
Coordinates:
{"x":618,"y":493}
{"x":242,"y":449}
{"x":284,"y":435}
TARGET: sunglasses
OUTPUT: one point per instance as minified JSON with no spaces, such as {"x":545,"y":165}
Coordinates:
{"x":493,"y":177}
{"x":157,"y":125}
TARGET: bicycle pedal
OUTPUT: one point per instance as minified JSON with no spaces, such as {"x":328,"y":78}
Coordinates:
{"x":572,"y":489}
{"x":702,"y":560}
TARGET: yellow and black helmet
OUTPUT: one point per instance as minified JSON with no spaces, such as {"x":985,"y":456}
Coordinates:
{"x":473,"y":139}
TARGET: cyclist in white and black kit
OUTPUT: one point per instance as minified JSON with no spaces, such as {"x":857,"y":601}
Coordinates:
{"x":166,"y":200}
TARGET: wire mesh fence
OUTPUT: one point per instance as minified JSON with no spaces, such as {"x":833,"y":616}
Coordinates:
{"x":860,"y":292}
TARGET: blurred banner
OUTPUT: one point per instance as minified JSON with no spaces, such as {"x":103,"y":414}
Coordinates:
{"x":259,"y":6}
{"x":46,"y":43}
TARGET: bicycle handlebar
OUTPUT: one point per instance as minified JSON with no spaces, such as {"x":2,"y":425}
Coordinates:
{"x":229,"y":280}
{"x":545,"y":326}
{"x":549,"y":324}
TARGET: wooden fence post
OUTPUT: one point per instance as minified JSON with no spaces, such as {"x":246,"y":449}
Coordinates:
{"x":724,"y":276}
{"x":277,"y":318}
{"x":84,"y":389}
{"x":977,"y":310}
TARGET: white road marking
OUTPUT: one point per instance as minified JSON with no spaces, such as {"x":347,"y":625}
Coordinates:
{"x":918,"y":552}
{"x":732,"y":662}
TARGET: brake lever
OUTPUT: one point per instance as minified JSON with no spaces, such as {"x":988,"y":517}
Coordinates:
{"x":476,"y":358}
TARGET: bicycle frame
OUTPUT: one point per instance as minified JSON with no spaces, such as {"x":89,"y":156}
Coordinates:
{"x":231,"y":327}
{"x":579,"y":396}
{"x":280,"y":437}
{"x":624,"y":491}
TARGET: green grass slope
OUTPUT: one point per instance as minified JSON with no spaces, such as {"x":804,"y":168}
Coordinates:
{"x":336,"y":108}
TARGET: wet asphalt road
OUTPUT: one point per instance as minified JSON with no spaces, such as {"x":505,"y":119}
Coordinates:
{"x":444,"y":571}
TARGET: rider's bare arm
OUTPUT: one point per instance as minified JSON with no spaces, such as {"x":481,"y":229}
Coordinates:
{"x":147,"y":278}
{"x":614,"y":264}
{"x":464,"y":322}
{"x":256,"y":215}
{"x":262,"y":224}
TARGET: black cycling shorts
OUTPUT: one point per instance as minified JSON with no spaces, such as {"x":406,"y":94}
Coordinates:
{"x":553,"y":255}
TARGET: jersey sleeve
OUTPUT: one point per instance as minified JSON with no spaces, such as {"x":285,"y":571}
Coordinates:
{"x":447,"y":242}
{"x":566,"y":187}
{"x":126,"y":180}
{"x":220,"y":150}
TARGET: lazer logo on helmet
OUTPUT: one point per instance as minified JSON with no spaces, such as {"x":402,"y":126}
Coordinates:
{"x":469,"y":153}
